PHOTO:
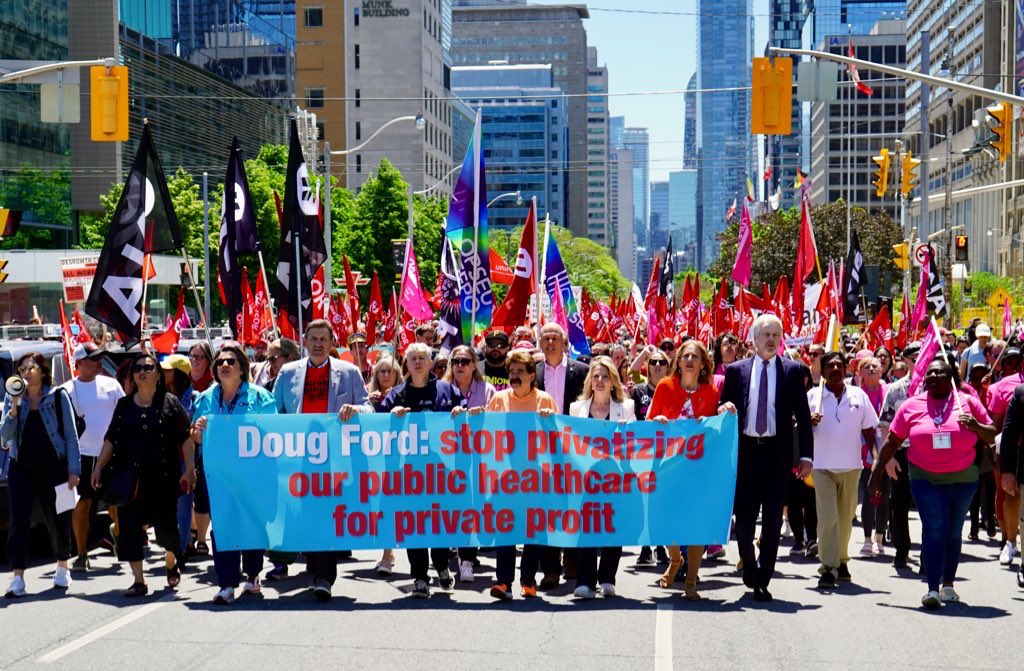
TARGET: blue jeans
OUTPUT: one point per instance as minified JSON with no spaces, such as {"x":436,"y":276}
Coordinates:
{"x":185,"y":520}
{"x":943,"y":509}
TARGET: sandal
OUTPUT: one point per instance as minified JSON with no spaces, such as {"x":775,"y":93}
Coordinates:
{"x":202,"y":549}
{"x":137,"y":589}
{"x":665,"y":583}
{"x":690,"y":592}
{"x":174,"y":575}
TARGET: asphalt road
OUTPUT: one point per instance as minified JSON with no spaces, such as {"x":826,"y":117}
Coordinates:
{"x":874,"y":623}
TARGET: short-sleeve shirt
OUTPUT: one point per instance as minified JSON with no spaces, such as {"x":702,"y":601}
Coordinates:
{"x":973,"y":354}
{"x":1000,"y":393}
{"x":506,"y":401}
{"x":838,"y":436}
{"x":674,"y":402}
{"x":916,"y":420}
{"x":642,"y":396}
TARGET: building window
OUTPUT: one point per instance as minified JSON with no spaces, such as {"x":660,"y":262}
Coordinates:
{"x":355,"y":16}
{"x":359,"y":130}
{"x":359,"y":162}
{"x":321,"y":129}
{"x":554,"y":153}
{"x":315,"y":97}
{"x":357,"y":57}
{"x":358,"y":98}
{"x":314,"y":17}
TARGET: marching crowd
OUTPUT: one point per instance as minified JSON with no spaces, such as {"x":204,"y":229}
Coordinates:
{"x":828,"y":440}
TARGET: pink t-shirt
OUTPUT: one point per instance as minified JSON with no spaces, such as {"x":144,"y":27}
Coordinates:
{"x":915,"y":419}
{"x":1001,"y":392}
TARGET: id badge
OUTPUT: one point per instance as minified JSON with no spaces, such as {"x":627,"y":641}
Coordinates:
{"x":941,"y":441}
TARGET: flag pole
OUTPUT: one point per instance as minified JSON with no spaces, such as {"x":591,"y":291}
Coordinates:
{"x":298,"y":283}
{"x":536,"y":272}
{"x":147,"y":260}
{"x":195,"y":293}
{"x":830,"y":335}
{"x":544,"y":268}
{"x":477,"y":153}
{"x":942,"y":348}
{"x":270,"y":299}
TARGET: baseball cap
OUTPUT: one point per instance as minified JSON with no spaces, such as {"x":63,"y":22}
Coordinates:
{"x":912,"y":349}
{"x":1011,"y":352}
{"x":983,"y":331}
{"x":87,"y":350}
{"x":356,"y":337}
{"x":176,"y":362}
{"x":498,"y":336}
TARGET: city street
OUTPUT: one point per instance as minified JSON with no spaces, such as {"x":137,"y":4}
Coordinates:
{"x":876,"y":622}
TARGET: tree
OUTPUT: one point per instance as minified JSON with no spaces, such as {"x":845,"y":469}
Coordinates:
{"x":43,"y":197}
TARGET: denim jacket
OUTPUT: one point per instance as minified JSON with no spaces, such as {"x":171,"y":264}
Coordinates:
{"x":66,"y":446}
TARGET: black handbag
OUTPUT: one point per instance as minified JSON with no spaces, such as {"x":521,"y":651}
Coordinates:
{"x":79,"y":420}
{"x":119,"y":486}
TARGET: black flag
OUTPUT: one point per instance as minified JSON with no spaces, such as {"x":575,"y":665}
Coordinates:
{"x":237,"y":234}
{"x":855,"y":279}
{"x":936,"y":299}
{"x":143,"y":223}
{"x":666,"y":287}
{"x":300,"y":228}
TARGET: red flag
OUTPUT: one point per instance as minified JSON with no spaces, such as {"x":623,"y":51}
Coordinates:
{"x":766,"y":298}
{"x":167,"y":342}
{"x":285,"y":328}
{"x":514,"y":309}
{"x":83,"y":333}
{"x":500,"y":272}
{"x":781,"y":302}
{"x":374,"y":311}
{"x":337,"y":314}
{"x":321,"y":298}
{"x":391,"y":319}
{"x":148,"y":271}
{"x":407,"y":333}
{"x":353,"y":295}
{"x":880,"y":329}
{"x":652,"y":284}
{"x":251,"y":332}
{"x":723,"y":313}
{"x":69,"y":340}
{"x":854,"y":74}
{"x":705,"y":332}
{"x":263,"y":305}
{"x":826,"y":299}
{"x":902,"y":337}
{"x":744,"y":316}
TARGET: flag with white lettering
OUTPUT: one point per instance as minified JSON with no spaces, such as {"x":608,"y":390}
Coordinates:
{"x":144,"y":222}
{"x":237,"y":235}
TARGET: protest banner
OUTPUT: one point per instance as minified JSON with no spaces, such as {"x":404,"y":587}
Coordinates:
{"x":311,"y":482}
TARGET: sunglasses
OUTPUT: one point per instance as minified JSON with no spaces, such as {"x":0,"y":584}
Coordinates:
{"x":656,"y":364}
{"x":440,"y":365}
{"x":27,"y":368}
{"x":226,"y":363}
{"x":462,"y":362}
{"x":144,"y":367}
{"x":496,"y":345}
{"x":666,"y":348}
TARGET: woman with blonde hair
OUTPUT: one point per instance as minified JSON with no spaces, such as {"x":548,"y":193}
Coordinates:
{"x":688,"y":392}
{"x":603,"y":397}
{"x":386,"y":373}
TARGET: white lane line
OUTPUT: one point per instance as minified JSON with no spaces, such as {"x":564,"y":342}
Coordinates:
{"x":85,"y":640}
{"x":663,"y":638}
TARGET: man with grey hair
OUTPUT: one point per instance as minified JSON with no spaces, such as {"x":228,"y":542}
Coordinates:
{"x":767,"y":393}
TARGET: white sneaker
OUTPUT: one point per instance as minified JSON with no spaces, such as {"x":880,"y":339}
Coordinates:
{"x":787,"y":531}
{"x":384,"y":567}
{"x":931,"y":600}
{"x":584,"y":592}
{"x":252,"y":586}
{"x":607,"y":589}
{"x":16,"y":588}
{"x":1006,"y":556}
{"x":948,"y":595}
{"x":466,"y":572}
{"x":878,"y":549}
{"x":225,"y":596}
{"x":866,"y":550}
{"x":62,"y":577}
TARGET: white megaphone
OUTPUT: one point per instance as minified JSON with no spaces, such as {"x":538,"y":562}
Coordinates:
{"x":15,"y":386}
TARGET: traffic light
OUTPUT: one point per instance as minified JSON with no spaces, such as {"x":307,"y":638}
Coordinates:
{"x":109,"y":106}
{"x":902,"y":259}
{"x":1001,"y":122}
{"x":961,"y":248}
{"x":881,"y":181}
{"x":909,"y":181}
{"x":771,"y":96}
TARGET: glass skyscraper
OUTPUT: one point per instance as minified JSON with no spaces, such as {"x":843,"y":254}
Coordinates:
{"x":837,"y":17}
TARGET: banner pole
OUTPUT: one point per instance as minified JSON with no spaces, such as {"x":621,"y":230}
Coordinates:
{"x":195,"y":293}
{"x":270,"y":298}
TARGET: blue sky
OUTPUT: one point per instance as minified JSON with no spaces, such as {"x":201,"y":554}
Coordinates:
{"x":651,"y":52}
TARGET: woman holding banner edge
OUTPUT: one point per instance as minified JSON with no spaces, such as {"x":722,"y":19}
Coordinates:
{"x":232,"y":394}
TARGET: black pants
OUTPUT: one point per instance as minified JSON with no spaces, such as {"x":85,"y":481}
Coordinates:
{"x":468,"y":554}
{"x":873,"y":518}
{"x":322,"y":566}
{"x":158,"y":511}
{"x":420,"y":559}
{"x":589,"y":573}
{"x":551,"y":559}
{"x":900,"y":500}
{"x":24,"y":486}
{"x":803,"y":511}
{"x":984,"y":503}
{"x":761,"y":485}
{"x":505,"y":572}
{"x":227,"y":562}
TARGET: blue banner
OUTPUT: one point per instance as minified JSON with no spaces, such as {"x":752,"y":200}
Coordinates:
{"x":311,"y":482}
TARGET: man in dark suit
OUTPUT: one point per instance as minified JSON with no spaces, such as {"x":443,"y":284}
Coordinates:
{"x":563,"y":378}
{"x":767,"y":392}
{"x":1010,"y":463}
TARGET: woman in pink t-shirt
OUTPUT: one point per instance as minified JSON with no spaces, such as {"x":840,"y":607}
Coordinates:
{"x":943,"y":426}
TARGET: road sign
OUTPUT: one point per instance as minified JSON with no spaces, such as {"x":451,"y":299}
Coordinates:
{"x":920,"y":254}
{"x":998,"y":298}
{"x":78,"y":272}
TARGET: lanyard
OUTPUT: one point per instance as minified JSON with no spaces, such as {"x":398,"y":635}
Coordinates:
{"x":231,"y":404}
{"x":938,"y":419}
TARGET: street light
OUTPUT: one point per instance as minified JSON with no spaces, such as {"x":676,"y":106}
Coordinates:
{"x":517,"y":194}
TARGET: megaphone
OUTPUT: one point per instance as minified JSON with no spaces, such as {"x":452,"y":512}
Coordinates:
{"x":15,"y":386}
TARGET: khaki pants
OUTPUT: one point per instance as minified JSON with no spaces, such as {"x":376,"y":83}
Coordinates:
{"x":835,"y":495}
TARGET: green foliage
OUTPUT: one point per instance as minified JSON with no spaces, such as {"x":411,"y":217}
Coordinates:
{"x":984,"y":285}
{"x":43,"y":197}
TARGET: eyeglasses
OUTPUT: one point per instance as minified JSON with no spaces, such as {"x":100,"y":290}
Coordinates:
{"x":226,"y":363}
{"x":27,"y":368}
{"x":144,"y":367}
{"x":462,"y":362}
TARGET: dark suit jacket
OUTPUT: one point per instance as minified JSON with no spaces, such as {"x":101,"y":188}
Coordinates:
{"x":575,"y":374}
{"x":790,"y":404}
{"x":1013,"y":430}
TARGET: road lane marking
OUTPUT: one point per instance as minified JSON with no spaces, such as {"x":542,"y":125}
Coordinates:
{"x":663,"y":638}
{"x":92,"y":636}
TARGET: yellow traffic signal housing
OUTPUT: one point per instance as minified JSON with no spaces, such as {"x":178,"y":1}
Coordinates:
{"x":961,"y":248}
{"x":902,"y":259}
{"x":881,"y":181}
{"x":109,"y":104}
{"x":771,"y":96}
{"x":909,"y":181}
{"x":1001,"y":122}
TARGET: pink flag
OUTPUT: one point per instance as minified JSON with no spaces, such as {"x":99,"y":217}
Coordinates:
{"x":741,"y":269}
{"x":558,"y":311}
{"x":411,"y":294}
{"x":1007,"y":319}
{"x":929,"y":348}
{"x":921,"y":305}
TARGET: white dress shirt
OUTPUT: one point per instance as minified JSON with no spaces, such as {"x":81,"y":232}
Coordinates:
{"x":554,"y":382}
{"x":755,"y":389}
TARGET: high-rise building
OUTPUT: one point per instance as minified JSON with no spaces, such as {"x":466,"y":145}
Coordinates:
{"x":682,"y":212}
{"x":841,"y":165}
{"x":660,"y":226}
{"x":620,"y":170}
{"x":598,"y":228}
{"x":690,"y":125}
{"x":726,"y":150}
{"x":522,"y":127}
{"x":519,"y":33}
{"x":637,"y":141}
{"x":616,"y":132}
{"x":839,"y":17}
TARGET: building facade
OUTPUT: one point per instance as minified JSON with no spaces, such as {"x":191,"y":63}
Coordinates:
{"x":638,"y":142}
{"x":660,"y":223}
{"x":620,"y":199}
{"x":690,"y":125}
{"x":598,"y":228}
{"x":682,"y":212}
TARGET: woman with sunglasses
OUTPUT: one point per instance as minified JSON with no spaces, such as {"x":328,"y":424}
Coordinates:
{"x":38,"y":428}
{"x":642,"y":395}
{"x":943,"y":427}
{"x":464,"y":374}
{"x":232,"y":395}
{"x":149,"y":434}
{"x":726,"y":351}
{"x":280,"y":352}
{"x":688,"y":392}
{"x":200,"y":356}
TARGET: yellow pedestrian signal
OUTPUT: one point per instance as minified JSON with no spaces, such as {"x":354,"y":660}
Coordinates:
{"x":881,"y":181}
{"x":109,"y":106}
{"x":1001,"y":122}
{"x":902,"y":259}
{"x":961,"y":248}
{"x":909,"y":181}
{"x":771,"y":96}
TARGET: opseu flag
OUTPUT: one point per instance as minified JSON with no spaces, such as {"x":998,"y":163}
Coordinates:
{"x":237,"y":234}
{"x":467,"y":229}
{"x":512,"y":312}
{"x":143,"y":223}
{"x":301,"y":236}
{"x":557,"y":279}
{"x":741,"y":269}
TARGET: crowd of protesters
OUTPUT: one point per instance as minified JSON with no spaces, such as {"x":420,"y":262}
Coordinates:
{"x":829,"y":441}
